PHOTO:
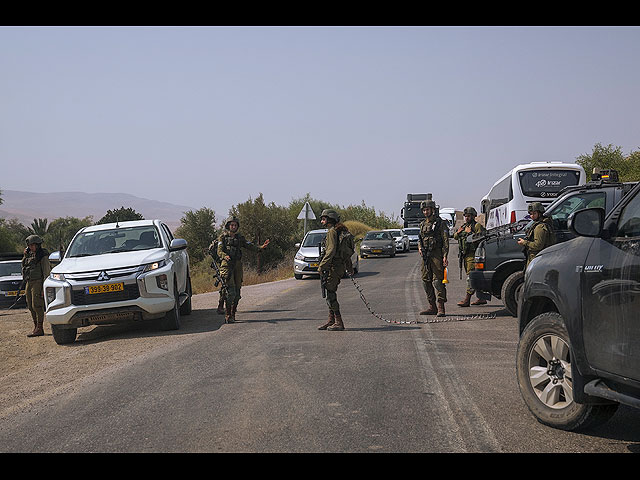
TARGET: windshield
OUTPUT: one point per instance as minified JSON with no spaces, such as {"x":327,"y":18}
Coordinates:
{"x":396,"y":233}
{"x":313,"y":239}
{"x":377,"y":236}
{"x":560,"y":213}
{"x":11,"y":269}
{"x":123,"y":239}
{"x":546,"y":183}
{"x":411,"y":231}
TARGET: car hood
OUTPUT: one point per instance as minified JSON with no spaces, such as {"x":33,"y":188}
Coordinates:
{"x":376,"y":243}
{"x":109,"y":261}
{"x":309,"y":251}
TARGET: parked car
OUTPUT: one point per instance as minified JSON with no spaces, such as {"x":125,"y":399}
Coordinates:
{"x":115,"y":272}
{"x":412,"y":233}
{"x":500,"y":260}
{"x":377,"y":242}
{"x":11,"y":279}
{"x":578,"y":356}
{"x":401,"y":239}
{"x":306,"y":260}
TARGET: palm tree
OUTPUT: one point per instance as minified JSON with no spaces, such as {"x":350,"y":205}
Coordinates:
{"x":38,"y":227}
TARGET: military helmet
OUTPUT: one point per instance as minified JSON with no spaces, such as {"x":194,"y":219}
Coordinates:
{"x":470,"y":211}
{"x":427,"y":204}
{"x":330,"y":213}
{"x":535,"y":207}
{"x":33,"y":239}
{"x":229,"y":220}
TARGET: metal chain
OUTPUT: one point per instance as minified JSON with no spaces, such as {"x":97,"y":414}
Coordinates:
{"x":450,"y":318}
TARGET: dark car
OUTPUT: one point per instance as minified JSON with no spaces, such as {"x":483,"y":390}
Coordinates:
{"x":377,"y":243}
{"x":500,"y":260}
{"x":11,"y":279}
{"x":579,"y":319}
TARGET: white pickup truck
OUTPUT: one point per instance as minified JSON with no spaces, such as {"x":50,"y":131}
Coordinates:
{"x":115,"y":272}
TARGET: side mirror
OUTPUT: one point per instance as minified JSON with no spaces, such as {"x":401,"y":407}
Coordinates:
{"x":587,"y":222}
{"x":297,"y":245}
{"x":177,"y":244}
{"x":55,"y":256}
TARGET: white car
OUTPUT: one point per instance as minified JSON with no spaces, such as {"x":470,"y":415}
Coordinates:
{"x":401,"y":239}
{"x":413,"y":234}
{"x":115,"y":272}
{"x":306,"y":260}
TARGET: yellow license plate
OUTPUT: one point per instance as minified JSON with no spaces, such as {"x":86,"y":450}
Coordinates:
{"x":14,"y":293}
{"x":315,"y":265}
{"x":107,"y":288}
{"x":376,"y":251}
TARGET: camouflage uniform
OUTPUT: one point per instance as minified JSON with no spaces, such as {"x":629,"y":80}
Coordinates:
{"x":467,"y":250}
{"x":332,"y":267}
{"x":434,"y":244}
{"x":35,"y":269}
{"x":539,"y":235}
{"x":231,"y":270}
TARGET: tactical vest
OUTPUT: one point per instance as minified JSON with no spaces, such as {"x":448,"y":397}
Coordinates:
{"x":431,"y":237}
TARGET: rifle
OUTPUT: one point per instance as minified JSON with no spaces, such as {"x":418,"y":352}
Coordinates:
{"x":22,"y":287}
{"x":323,"y":275}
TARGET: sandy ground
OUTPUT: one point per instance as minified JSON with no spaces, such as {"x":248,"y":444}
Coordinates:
{"x":34,"y":369}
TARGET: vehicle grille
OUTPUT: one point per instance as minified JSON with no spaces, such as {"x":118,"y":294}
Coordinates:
{"x":10,"y":285}
{"x":130,"y":292}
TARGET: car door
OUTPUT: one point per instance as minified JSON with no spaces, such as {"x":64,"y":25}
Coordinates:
{"x":178,"y":259}
{"x":610,"y":284}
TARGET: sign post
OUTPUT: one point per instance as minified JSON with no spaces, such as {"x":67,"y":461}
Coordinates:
{"x":306,"y":214}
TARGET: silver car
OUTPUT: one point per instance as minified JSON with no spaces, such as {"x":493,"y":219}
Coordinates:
{"x":412,"y":233}
{"x":377,"y":242}
{"x":306,"y":260}
{"x":401,"y":239}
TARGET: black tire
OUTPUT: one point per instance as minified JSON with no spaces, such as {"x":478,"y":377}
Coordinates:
{"x":510,"y":292}
{"x":62,"y":335}
{"x":543,"y":368}
{"x":297,"y":276}
{"x":171,"y":320}
{"x":186,"y":307}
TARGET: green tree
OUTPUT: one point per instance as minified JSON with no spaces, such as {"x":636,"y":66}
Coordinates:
{"x":14,"y":234}
{"x":120,"y":215}
{"x":39,"y":227}
{"x":62,"y":230}
{"x":198,"y":228}
{"x":611,"y":157}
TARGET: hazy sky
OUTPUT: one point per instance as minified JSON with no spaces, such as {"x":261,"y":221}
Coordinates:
{"x":210,"y":116}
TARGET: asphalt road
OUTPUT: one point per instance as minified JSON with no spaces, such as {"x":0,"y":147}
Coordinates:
{"x":272,"y":382}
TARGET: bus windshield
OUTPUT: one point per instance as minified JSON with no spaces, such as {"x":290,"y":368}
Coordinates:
{"x":546,"y":183}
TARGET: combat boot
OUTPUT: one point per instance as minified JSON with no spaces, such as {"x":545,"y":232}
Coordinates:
{"x":432,"y":310}
{"x":220,"y":309}
{"x":38,"y":331}
{"x":234,"y":307}
{"x":440,"y":308}
{"x":227,"y":316}
{"x":465,"y":302}
{"x":479,"y":301}
{"x":338,"y":325}
{"x":330,"y":321}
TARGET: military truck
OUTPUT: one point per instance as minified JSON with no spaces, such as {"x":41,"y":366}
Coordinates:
{"x":500,"y":261}
{"x":411,"y":213}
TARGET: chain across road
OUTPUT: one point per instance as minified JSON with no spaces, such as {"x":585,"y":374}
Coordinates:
{"x":450,"y":318}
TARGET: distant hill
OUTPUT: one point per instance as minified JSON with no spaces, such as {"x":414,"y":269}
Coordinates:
{"x":25,"y":206}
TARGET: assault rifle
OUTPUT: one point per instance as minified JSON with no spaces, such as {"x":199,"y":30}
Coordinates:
{"x":503,"y":231}
{"x":323,"y":275}
{"x":22,"y":286}
{"x":219,"y":279}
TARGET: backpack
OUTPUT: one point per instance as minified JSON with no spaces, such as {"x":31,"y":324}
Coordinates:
{"x":346,"y":245}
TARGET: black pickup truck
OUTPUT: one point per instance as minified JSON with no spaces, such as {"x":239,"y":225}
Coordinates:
{"x":578,"y":356}
{"x":500,"y":260}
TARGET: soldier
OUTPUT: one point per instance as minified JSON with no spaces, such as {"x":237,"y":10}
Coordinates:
{"x":332,"y":266}
{"x":433,"y":246}
{"x":230,"y":245}
{"x":467,"y":250}
{"x":539,"y":235}
{"x":35,"y":269}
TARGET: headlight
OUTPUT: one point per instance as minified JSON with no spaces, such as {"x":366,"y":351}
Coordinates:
{"x":299,"y":256}
{"x":57,"y":276}
{"x":154,"y":266}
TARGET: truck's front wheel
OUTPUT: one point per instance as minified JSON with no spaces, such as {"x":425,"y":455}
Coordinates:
{"x":63,"y":336}
{"x":511,"y":291}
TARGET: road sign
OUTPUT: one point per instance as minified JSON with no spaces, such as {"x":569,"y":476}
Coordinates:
{"x":306,"y":214}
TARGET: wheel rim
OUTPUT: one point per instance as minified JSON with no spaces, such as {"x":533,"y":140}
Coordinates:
{"x":550,"y":371}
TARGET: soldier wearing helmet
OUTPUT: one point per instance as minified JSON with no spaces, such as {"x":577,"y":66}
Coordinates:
{"x":433,"y":246}
{"x":539,"y":235}
{"x":466,"y":251}
{"x":332,"y":267}
{"x":230,"y":245}
{"x":35,"y":269}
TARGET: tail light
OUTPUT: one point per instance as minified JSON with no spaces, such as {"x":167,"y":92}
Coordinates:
{"x":513,"y":216}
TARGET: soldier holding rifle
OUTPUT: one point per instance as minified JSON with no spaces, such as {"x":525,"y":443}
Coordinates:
{"x":466,"y":251}
{"x":433,"y":246}
{"x":35,"y":269}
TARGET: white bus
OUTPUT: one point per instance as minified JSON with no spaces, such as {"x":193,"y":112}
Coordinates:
{"x":508,"y":199}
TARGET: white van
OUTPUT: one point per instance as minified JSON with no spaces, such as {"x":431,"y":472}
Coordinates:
{"x":508,"y":200}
